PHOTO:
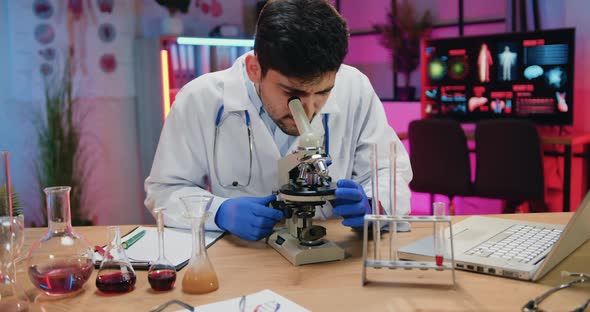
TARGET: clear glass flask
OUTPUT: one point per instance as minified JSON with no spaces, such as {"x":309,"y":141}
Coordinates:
{"x":199,"y":277}
{"x":440,"y":244}
{"x":115,"y":275}
{"x":162,"y":274}
{"x":12,"y":295}
{"x":61,"y":261}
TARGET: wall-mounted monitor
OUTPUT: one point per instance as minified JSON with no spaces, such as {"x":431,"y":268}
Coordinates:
{"x":514,"y":75}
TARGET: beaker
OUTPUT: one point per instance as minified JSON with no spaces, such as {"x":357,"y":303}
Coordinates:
{"x":61,"y":261}
{"x":162,"y":274}
{"x":115,"y":275}
{"x":200,"y":277}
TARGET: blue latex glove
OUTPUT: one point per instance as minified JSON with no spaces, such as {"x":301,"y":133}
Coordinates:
{"x":351,"y":203}
{"x":249,"y":218}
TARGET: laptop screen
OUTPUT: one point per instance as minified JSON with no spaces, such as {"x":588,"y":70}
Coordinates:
{"x":576,"y":233}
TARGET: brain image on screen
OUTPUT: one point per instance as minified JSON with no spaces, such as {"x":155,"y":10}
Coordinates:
{"x":533,"y":71}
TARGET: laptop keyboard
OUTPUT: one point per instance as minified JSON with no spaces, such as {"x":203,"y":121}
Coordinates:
{"x":520,"y":243}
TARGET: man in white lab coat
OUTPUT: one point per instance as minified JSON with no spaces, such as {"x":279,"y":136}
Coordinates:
{"x":299,"y":49}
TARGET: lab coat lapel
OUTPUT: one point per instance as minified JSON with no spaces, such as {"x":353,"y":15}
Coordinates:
{"x":265,"y":153}
{"x":236,"y":99}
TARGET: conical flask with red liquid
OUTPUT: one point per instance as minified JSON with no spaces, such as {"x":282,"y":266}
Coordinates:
{"x":162,"y":274}
{"x":61,"y":261}
{"x":115,"y":275}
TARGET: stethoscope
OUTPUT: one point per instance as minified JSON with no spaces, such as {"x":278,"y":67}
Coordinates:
{"x":533,"y":305}
{"x":220,"y":118}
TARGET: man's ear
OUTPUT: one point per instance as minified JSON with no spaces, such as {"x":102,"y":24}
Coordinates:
{"x":253,"y":68}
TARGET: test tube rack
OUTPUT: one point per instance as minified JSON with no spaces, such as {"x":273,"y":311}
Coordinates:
{"x":403,"y":264}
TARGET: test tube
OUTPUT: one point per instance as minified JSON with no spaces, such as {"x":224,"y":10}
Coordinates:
{"x":374,"y":159}
{"x":439,"y":233}
{"x":393,"y":255}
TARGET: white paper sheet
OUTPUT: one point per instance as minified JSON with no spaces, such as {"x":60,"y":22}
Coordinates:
{"x":262,"y":301}
{"x":177,"y":245}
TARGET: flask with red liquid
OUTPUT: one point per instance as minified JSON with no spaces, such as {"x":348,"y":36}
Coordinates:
{"x":162,"y":274}
{"x":115,"y":274}
{"x":61,"y":261}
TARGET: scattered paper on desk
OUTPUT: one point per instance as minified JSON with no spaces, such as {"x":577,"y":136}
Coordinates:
{"x":262,"y":301}
{"x":177,"y":245}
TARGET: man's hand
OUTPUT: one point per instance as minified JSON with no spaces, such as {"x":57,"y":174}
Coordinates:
{"x":249,"y":218}
{"x":351,"y":203}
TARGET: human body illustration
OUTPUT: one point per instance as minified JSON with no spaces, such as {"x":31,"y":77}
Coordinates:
{"x":484,"y":61}
{"x":507,"y":60}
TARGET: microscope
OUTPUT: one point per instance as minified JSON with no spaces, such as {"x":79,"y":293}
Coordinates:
{"x":305,"y":185}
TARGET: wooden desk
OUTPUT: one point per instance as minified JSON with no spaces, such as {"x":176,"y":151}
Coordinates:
{"x":568,"y":141}
{"x":245,"y":267}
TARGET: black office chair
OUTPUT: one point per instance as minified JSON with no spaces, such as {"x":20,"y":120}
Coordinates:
{"x":440,"y":159}
{"x":509,"y":163}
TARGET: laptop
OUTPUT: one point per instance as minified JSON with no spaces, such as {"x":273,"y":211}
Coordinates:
{"x":509,"y":248}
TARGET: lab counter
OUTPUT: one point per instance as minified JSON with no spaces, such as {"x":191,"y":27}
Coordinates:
{"x":248,"y":267}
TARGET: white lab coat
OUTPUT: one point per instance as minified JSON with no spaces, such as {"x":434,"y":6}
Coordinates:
{"x":184,"y":164}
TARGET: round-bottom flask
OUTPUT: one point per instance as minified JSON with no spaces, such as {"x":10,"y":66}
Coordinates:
{"x":61,"y":261}
{"x":200,"y":276}
{"x":115,"y":275}
{"x":162,"y":274}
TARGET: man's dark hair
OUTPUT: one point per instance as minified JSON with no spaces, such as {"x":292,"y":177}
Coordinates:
{"x":303,"y":39}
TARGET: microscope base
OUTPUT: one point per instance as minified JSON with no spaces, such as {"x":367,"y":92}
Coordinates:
{"x":292,"y":250}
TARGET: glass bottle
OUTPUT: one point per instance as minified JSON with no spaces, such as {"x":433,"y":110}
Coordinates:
{"x":115,"y":274}
{"x":61,"y":261}
{"x":162,"y":274}
{"x":200,"y":277}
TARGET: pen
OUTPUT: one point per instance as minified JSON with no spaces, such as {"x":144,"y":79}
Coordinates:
{"x":102,"y":252}
{"x":126,"y":244}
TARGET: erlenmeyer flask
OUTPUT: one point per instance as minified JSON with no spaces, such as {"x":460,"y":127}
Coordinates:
{"x":61,"y":261}
{"x":162,"y":274}
{"x":200,"y":277}
{"x":115,"y":275}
